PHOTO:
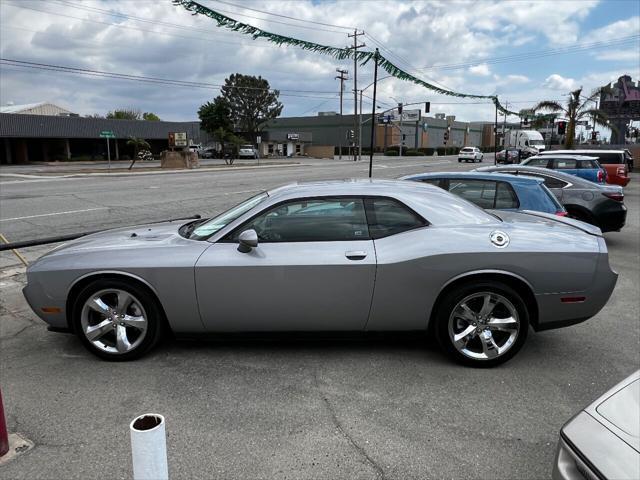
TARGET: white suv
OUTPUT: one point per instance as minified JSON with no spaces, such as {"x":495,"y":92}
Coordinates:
{"x":247,"y":151}
{"x":470,"y":153}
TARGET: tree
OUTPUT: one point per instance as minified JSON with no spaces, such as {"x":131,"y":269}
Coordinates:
{"x":251,"y":102}
{"x":151,"y":117}
{"x":137,"y":144}
{"x":215,"y":115}
{"x":220,"y":134}
{"x":125,"y":114}
{"x":577,"y":108}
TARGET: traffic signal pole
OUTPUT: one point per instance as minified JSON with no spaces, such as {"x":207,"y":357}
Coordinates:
{"x":373,"y":112}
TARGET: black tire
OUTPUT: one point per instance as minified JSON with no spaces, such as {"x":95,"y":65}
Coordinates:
{"x":455,"y":295}
{"x":153,"y":311}
{"x":459,"y":160}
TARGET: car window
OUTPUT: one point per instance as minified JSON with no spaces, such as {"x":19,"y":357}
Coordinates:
{"x":506,"y":197}
{"x":537,"y":162}
{"x":480,"y":192}
{"x":564,"y":163}
{"x":389,"y":217}
{"x":550,"y":182}
{"x":310,"y":220}
{"x":588,"y":164}
{"x":608,"y":157}
{"x":433,"y":181}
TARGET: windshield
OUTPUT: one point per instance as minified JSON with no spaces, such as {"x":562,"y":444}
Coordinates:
{"x":211,"y":226}
{"x":536,"y":142}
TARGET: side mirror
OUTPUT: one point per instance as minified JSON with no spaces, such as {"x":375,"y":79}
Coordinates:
{"x":247,"y":240}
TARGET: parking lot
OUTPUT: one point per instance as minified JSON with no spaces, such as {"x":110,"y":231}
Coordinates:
{"x":389,"y":407}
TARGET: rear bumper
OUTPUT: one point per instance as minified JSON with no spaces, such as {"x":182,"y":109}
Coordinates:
{"x":611,"y":216}
{"x":553,"y":312}
{"x":618,"y":180}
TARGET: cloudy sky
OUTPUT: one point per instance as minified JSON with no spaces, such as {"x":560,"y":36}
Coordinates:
{"x":524,"y":51}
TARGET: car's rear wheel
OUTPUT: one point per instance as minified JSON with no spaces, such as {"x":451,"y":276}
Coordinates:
{"x":482,"y":324}
{"x":117,"y":320}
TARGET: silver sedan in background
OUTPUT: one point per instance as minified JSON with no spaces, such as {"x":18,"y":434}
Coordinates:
{"x":355,"y":255}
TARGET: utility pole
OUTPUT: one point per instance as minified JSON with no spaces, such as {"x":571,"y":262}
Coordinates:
{"x":373,"y":111}
{"x":355,"y":47}
{"x":495,"y":137}
{"x":342,"y":77}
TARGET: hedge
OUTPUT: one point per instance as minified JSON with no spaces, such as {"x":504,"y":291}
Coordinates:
{"x":414,"y":153}
{"x":391,"y":153}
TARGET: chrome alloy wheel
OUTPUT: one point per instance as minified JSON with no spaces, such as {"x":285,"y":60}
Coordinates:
{"x":114,"y":321}
{"x":484,"y":325}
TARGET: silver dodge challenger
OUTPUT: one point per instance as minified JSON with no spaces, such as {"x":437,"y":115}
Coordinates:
{"x":354,"y":255}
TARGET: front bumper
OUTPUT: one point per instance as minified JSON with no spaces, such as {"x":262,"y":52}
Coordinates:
{"x":38,"y":299}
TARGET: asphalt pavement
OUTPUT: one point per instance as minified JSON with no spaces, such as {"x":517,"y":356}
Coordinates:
{"x":391,"y":407}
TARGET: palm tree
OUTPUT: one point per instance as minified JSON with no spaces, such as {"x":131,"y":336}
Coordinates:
{"x":137,"y":144}
{"x":578,"y":107}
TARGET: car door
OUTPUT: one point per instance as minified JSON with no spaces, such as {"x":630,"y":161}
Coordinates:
{"x":313,"y":269}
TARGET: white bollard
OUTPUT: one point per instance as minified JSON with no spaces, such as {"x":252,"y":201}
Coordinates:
{"x":149,"y":447}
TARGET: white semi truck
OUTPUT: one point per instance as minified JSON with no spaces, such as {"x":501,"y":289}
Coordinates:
{"x":527,"y":142}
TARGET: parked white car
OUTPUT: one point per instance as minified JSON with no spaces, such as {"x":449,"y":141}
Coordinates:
{"x":248,"y":151}
{"x":470,"y":154}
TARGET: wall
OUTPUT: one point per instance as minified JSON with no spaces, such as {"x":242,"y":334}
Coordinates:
{"x":319,"y":151}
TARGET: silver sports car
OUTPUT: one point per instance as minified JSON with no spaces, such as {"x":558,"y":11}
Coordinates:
{"x":356,"y":255}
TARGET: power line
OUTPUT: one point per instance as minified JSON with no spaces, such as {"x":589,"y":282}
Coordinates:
{"x":145,"y":79}
{"x":129,"y":27}
{"x":286,"y":16}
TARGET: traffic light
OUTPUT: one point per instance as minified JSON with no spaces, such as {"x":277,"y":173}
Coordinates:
{"x":594,"y":136}
{"x":400,"y":109}
{"x":562,"y":128}
{"x":446,"y":136}
{"x":427,"y":107}
{"x":351,"y":134}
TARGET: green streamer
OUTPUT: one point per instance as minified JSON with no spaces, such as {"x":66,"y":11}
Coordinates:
{"x":339,"y":53}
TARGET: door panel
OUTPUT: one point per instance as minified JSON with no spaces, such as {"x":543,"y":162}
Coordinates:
{"x":286,"y":286}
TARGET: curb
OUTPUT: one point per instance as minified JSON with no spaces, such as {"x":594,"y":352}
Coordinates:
{"x":17,"y":446}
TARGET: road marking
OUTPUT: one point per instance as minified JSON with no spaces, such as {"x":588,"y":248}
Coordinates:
{"x":54,"y":213}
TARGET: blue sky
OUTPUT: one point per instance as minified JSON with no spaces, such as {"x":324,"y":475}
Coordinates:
{"x":106,"y":36}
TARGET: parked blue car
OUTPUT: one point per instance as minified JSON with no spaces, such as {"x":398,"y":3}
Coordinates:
{"x":579,"y":165}
{"x":495,"y":190}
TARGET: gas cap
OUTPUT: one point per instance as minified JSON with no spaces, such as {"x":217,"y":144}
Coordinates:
{"x":499,"y":239}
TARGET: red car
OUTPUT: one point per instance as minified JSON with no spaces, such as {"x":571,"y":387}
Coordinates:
{"x":613,"y":161}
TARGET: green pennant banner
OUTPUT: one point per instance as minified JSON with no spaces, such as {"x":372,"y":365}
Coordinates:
{"x":339,"y":53}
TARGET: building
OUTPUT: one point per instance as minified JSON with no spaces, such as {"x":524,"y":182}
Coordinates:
{"x":40,"y":108}
{"x":42,"y":138}
{"x":293,"y":135}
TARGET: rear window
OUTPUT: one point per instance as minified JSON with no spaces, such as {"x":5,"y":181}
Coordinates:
{"x":608,"y":157}
{"x":565,"y":164}
{"x":467,"y":150}
{"x":551,"y":201}
{"x":485,"y":193}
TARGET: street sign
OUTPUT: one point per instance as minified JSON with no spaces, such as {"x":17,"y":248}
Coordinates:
{"x":107,"y":134}
{"x":293,"y":136}
{"x":258,"y":139}
{"x":584,"y":123}
{"x":181,"y":139}
{"x":406,"y":116}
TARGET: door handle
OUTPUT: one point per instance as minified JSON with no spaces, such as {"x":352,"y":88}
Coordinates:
{"x":355,"y":254}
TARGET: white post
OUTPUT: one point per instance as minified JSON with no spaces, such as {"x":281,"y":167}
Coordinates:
{"x":360,"y":129}
{"x":149,"y":447}
{"x":108,"y":154}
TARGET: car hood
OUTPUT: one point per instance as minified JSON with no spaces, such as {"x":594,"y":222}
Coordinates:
{"x":140,"y":236}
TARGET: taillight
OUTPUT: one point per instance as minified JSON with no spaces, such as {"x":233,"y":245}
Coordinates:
{"x":561,"y":213}
{"x":618,"y":197}
{"x":600,"y":176}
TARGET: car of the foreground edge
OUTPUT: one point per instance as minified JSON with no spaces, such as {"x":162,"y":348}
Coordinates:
{"x":603,"y":440}
{"x":357,"y":255}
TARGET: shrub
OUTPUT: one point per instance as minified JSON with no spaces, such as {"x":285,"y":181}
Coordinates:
{"x":414,"y":153}
{"x":391,"y":153}
{"x":442,"y":150}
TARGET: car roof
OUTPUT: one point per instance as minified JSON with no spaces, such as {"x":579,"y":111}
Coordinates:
{"x":433,"y":203}
{"x":565,"y":177}
{"x":474,"y":175}
{"x":567,"y":156}
{"x":584,"y":150}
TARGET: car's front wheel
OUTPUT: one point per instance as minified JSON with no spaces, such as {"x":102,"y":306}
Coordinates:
{"x":117,"y":320}
{"x":482,"y":324}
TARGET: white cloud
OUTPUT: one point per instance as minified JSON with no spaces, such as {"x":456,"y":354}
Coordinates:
{"x":423,"y":34}
{"x":558,"y":82}
{"x":518,"y":78}
{"x":482,"y":70}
